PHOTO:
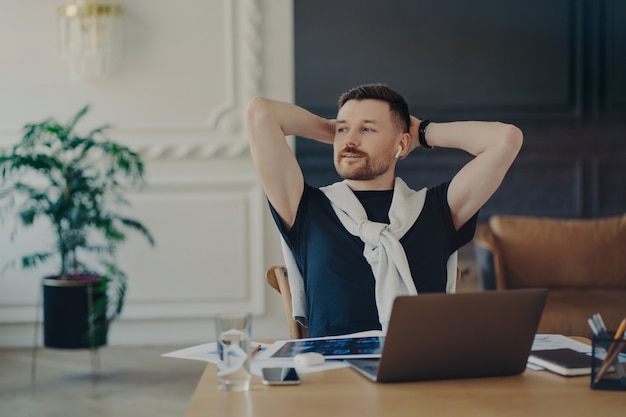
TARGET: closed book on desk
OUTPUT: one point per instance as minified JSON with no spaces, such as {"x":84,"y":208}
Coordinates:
{"x":566,"y":362}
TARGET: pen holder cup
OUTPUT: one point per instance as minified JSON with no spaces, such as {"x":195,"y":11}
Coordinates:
{"x":607,"y":376}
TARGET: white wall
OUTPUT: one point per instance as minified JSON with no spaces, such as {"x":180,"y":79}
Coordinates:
{"x":178,"y":96}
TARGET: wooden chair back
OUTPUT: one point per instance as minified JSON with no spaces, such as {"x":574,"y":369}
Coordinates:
{"x":277,"y":278}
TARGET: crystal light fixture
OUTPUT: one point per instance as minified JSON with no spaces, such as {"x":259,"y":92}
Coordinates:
{"x":89,"y":34}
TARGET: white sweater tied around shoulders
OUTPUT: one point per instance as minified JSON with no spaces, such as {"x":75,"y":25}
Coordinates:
{"x":382,"y":248}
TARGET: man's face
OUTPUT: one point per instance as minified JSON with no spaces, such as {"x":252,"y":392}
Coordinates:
{"x":364,"y":139}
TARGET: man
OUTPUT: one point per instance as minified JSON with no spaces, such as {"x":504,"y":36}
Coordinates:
{"x":359,"y":243}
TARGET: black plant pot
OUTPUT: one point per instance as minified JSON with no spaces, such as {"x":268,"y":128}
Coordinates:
{"x":69,"y":306}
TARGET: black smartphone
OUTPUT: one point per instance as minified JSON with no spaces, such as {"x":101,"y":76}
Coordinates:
{"x":280,"y":376}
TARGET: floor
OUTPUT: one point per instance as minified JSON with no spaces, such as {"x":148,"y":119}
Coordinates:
{"x":133,"y":381}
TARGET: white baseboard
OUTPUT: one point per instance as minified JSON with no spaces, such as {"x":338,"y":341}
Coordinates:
{"x":187,"y":332}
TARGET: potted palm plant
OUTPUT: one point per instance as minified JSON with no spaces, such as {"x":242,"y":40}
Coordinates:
{"x":78,"y":184}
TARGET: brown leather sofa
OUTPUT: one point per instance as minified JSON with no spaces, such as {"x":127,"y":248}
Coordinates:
{"x":582,"y":262}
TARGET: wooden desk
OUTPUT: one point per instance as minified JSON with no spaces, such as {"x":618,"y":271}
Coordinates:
{"x":344,"y":392}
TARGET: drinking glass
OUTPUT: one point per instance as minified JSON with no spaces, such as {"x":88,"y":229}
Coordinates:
{"x":233,"y":332}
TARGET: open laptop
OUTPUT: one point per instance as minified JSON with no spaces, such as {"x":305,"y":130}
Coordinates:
{"x":446,"y":336}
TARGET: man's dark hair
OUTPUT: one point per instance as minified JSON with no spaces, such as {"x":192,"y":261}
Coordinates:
{"x":398,"y":107}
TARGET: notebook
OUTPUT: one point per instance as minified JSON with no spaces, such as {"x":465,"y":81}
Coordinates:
{"x":447,"y":336}
{"x":566,"y":362}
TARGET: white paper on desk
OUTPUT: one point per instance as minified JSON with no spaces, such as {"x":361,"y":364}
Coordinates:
{"x":559,"y":341}
{"x":207,"y":352}
{"x":258,"y":364}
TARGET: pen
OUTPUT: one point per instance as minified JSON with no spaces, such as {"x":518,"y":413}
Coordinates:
{"x":593,"y":327}
{"x":255,"y":350}
{"x":619,"y":334}
{"x":608,"y":361}
{"x":612,"y":352}
{"x":597,"y":318}
{"x":599,"y":330}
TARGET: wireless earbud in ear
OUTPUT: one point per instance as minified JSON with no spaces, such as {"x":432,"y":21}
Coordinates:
{"x":397,"y":155}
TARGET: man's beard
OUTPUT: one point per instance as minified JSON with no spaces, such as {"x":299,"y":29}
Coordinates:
{"x":370,"y":169}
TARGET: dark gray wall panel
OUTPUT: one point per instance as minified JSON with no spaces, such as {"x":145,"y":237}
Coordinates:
{"x":611,"y":185}
{"x":540,"y":185}
{"x":556,"y":68}
{"x":480,"y":58}
{"x":615,"y":57}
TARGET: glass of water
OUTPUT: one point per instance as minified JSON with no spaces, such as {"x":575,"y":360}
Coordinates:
{"x":233,"y":346}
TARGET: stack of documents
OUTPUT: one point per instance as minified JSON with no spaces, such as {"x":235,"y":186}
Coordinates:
{"x":562,"y":355}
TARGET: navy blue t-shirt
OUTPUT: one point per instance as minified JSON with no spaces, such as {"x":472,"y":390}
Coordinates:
{"x":339,"y":283}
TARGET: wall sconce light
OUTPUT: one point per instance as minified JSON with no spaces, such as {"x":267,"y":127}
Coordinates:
{"x":90,"y":37}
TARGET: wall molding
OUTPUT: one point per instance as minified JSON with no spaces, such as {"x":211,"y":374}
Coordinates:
{"x":247,"y":286}
{"x":222,"y":132}
{"x":229,"y":34}
{"x":251,"y":297}
{"x":193,"y":151}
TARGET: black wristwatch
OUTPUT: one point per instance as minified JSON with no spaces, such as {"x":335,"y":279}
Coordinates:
{"x":421,"y":134}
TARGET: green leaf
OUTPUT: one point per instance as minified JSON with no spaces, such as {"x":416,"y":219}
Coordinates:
{"x":31,"y":261}
{"x":82,"y":112}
